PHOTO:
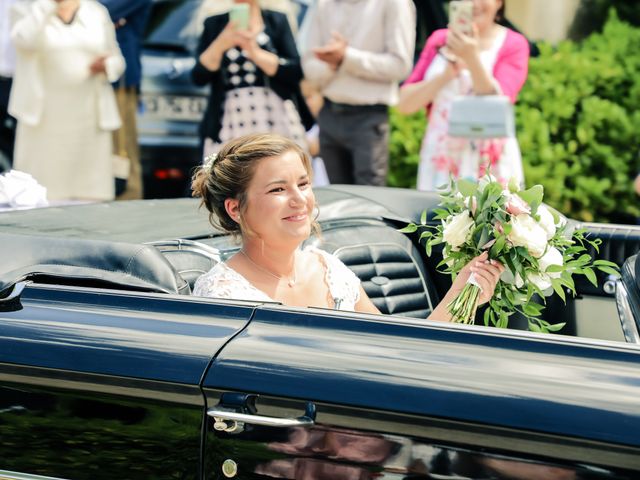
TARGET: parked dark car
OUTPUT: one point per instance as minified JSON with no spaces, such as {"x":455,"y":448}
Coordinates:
{"x":109,"y":369}
{"x":171,"y":106}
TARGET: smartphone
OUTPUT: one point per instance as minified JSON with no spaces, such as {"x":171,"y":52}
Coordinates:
{"x":239,"y":14}
{"x":461,"y":16}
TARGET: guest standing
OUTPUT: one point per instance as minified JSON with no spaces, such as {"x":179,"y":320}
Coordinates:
{"x":494,"y":60}
{"x":357,"y":52}
{"x":67,"y":57}
{"x":254,"y":75}
{"x":130,"y":18}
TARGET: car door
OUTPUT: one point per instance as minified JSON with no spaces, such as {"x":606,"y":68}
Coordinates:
{"x":328,"y":395}
{"x":101,"y":384}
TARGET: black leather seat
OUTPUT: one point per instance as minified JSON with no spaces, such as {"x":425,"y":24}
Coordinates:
{"x":388,"y":264}
{"x":628,"y":299}
{"x":189,"y":258}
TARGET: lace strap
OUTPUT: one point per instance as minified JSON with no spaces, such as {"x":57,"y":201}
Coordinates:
{"x":344,"y":285}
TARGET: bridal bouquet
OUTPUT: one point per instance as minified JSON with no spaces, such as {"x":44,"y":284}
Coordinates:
{"x":539,"y":249}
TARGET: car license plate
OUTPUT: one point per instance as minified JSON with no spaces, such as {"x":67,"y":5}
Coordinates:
{"x":173,"y":107}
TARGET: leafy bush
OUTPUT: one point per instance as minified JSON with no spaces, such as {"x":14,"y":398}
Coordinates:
{"x":404,"y":148}
{"x":578,"y":125}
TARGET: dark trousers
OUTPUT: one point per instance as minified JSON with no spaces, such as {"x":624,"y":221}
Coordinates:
{"x":7,"y":126}
{"x":354,"y":143}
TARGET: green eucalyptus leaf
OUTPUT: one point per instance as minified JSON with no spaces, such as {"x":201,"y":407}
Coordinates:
{"x":554,"y":269}
{"x":604,"y":263}
{"x":532,"y":195}
{"x":412,"y":227}
{"x":532,"y":309}
{"x":609,"y":270}
{"x":554,"y":327}
{"x":591,"y":276}
{"x":497,"y":247}
{"x":467,"y":187}
{"x":534,"y":327}
{"x":558,"y":288}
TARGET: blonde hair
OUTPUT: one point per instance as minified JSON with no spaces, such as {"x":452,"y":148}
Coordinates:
{"x":228,"y":174}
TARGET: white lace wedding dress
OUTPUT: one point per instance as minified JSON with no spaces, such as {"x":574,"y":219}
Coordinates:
{"x":224,"y":282}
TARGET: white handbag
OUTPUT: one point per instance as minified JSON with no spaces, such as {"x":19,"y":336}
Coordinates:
{"x":482,"y":116}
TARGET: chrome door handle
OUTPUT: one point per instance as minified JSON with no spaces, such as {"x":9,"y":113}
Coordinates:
{"x":221,"y":418}
{"x":222,"y":415}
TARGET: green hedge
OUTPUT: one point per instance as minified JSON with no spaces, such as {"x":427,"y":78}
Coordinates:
{"x":578,"y":123}
{"x":404,"y":148}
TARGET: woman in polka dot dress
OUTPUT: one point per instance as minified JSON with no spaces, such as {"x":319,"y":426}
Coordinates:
{"x":254,"y":75}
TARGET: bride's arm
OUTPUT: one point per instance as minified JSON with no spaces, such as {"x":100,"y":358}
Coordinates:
{"x":365,"y":305}
{"x":487,"y":273}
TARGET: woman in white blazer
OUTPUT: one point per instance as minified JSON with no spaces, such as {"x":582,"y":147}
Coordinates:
{"x":67,"y":58}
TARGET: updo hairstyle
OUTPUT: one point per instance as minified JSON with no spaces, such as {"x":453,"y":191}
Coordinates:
{"x":228,"y":174}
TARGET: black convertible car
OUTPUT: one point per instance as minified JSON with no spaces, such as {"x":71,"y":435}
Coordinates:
{"x":110,"y":369}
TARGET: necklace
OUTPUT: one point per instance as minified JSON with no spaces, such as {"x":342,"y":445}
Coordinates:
{"x":290,"y":281}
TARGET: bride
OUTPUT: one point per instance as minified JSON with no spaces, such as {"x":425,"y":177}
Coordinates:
{"x":259,"y":187}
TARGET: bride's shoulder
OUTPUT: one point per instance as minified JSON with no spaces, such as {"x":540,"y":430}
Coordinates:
{"x":329,"y":261}
{"x":313,"y":253}
{"x":221,"y":281}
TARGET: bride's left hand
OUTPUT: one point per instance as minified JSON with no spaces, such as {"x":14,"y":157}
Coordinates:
{"x":487,"y":274}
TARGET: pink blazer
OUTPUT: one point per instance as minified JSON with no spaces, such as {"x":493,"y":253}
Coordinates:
{"x":510,"y":69}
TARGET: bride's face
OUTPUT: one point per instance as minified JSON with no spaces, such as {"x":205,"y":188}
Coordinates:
{"x":280,"y":200}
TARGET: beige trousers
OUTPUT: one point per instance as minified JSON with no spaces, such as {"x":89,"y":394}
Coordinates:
{"x":125,"y":140}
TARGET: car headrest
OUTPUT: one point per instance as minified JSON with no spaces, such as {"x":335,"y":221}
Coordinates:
{"x":73,"y":261}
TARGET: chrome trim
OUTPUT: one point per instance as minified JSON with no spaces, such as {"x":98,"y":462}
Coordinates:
{"x":609,"y":285}
{"x":627,"y":321}
{"x":190,"y":245}
{"x":6,"y":475}
{"x":16,"y":291}
{"x":222,"y":415}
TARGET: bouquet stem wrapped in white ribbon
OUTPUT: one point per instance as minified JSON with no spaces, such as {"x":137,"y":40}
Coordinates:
{"x":536,"y":245}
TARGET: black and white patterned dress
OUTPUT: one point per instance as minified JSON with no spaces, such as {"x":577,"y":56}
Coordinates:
{"x":250,"y":106}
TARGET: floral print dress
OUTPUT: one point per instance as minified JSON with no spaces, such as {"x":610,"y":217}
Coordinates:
{"x":442,"y":155}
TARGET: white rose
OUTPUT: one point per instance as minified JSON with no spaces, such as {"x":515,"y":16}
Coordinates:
{"x":507,"y":277}
{"x":546,"y":221}
{"x":457,"y":229}
{"x":525,"y":232}
{"x":542,"y":281}
{"x":551,"y":257}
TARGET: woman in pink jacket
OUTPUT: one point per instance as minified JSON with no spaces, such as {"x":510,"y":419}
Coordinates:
{"x":493,"y":60}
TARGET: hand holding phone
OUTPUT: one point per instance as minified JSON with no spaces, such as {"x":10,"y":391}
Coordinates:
{"x":239,"y":15}
{"x":461,"y":16}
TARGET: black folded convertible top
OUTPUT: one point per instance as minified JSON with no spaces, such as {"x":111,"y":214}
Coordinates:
{"x":142,"y":221}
